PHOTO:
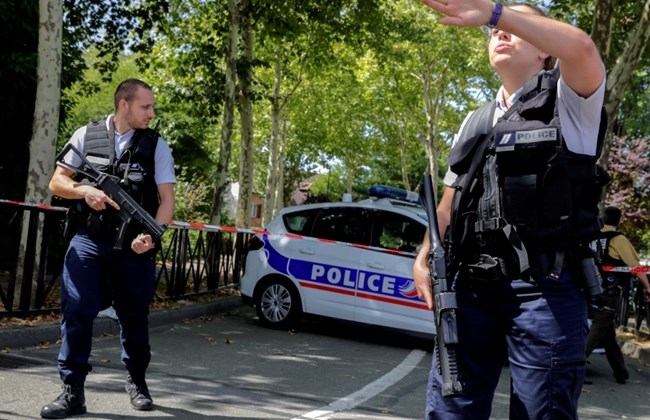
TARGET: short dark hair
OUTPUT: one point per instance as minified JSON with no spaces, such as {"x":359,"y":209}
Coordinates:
{"x":127,"y":90}
{"x":611,"y":216}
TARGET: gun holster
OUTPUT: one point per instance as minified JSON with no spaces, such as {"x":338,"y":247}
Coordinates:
{"x":72,"y":222}
{"x":99,"y":225}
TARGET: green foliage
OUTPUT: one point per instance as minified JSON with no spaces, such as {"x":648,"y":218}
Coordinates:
{"x":629,"y":167}
{"x":357,"y":67}
{"x":188,"y":59}
{"x":187,"y":67}
{"x":193,"y":198}
{"x":113,"y":27}
{"x":91,"y":98}
{"x":105,"y":31}
{"x":364,"y":109}
{"x":328,"y":186}
{"x":634,"y":111}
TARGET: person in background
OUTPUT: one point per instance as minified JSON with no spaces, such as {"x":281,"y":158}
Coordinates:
{"x":514,"y":258}
{"x":95,"y":273}
{"x":617,"y":252}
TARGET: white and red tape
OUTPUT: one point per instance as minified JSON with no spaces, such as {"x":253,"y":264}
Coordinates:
{"x":217,"y":228}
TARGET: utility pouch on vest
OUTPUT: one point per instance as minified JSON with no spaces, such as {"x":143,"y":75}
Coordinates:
{"x":593,"y":280}
{"x":101,"y":225}
{"x":486,"y":268}
{"x":461,"y":155}
{"x":534,"y":175}
{"x":520,"y":200}
{"x":72,"y":221}
{"x":466,"y":197}
{"x":96,"y":225}
{"x":502,"y":244}
{"x":556,"y":192}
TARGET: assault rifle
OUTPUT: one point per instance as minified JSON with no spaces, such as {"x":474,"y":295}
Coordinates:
{"x":444,"y":299}
{"x":110,"y":184}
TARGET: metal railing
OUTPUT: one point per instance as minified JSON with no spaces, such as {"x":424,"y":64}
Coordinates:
{"x":192,"y":260}
{"x":632,"y":307}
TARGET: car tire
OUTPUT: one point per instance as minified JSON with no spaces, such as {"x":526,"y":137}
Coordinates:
{"x":277,"y":303}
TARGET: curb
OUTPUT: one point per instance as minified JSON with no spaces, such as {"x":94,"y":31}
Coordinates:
{"x":32,"y":336}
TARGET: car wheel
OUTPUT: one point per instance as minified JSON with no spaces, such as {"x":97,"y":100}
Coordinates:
{"x":277,"y":303}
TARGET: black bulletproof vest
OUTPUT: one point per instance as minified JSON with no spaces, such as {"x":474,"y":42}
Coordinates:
{"x":135,"y":168}
{"x":611,"y":280}
{"x":520,"y":190}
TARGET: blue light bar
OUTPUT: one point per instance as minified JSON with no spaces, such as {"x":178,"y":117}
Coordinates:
{"x":383,"y":191}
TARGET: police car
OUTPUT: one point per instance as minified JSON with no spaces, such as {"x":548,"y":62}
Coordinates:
{"x":351,"y":261}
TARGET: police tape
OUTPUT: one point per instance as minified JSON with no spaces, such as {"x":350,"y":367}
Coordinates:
{"x":633,"y":270}
{"x":218,"y":228}
{"x":29,"y":205}
{"x":232,"y":229}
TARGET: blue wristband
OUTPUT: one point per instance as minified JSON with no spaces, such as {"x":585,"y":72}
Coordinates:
{"x":496,"y":15}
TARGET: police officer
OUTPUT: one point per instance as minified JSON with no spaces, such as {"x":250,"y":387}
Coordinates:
{"x":95,"y":273}
{"x":617,"y":252}
{"x":521,"y":302}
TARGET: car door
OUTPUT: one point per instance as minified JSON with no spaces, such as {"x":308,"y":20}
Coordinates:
{"x":386,"y":293}
{"x":325,"y":269}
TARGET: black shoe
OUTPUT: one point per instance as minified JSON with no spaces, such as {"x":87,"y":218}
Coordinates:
{"x":620,"y":379}
{"x":139,"y":394}
{"x":71,"y":401}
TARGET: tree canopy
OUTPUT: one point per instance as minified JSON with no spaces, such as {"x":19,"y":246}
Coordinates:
{"x":367,"y":92}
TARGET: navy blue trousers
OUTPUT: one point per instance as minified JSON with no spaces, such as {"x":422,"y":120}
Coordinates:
{"x":94,"y":277}
{"x":540,"y":330}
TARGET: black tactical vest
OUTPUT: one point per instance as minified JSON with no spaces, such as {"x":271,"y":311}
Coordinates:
{"x":135,"y":168}
{"x":611,"y":280}
{"x":520,"y":191}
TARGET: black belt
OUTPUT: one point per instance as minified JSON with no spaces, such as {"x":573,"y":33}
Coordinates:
{"x":487,"y":268}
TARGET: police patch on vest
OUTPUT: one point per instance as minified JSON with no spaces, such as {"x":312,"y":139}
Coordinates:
{"x":506,"y":141}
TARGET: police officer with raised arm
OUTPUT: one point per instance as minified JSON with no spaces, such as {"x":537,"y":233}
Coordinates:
{"x":520,"y":199}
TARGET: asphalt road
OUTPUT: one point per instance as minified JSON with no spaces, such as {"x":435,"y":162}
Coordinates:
{"x":225,"y":366}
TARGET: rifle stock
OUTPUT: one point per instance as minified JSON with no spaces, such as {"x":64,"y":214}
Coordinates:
{"x":129,"y":208}
{"x":444,"y":299}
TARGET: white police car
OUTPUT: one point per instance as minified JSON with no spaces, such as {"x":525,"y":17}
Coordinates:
{"x":346,"y":260}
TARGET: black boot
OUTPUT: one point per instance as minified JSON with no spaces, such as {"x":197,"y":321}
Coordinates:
{"x":71,"y":401}
{"x":139,"y":393}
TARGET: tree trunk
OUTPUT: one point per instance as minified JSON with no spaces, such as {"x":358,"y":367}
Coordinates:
{"x":246,"y":117}
{"x":601,"y":28}
{"x":282,"y":153}
{"x":350,"y":172}
{"x":404,"y":159}
{"x":42,"y":146}
{"x":399,"y":122}
{"x":431,"y":103}
{"x":221,"y":174}
{"x":619,"y":76}
{"x":273,"y":169}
